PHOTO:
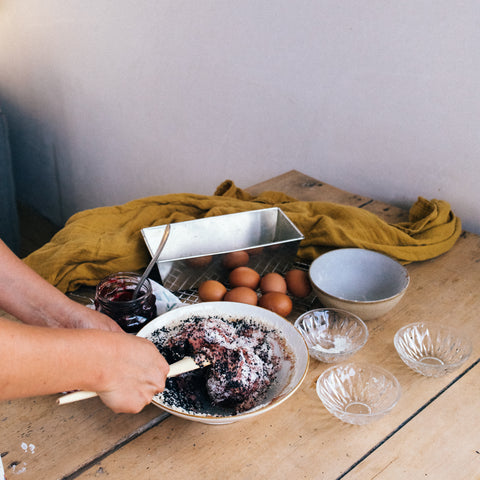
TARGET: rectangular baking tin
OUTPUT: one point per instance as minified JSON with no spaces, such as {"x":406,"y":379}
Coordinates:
{"x":194,"y":250}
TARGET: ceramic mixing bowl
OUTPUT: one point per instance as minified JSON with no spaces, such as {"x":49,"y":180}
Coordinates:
{"x":293,"y":353}
{"x":366,"y":283}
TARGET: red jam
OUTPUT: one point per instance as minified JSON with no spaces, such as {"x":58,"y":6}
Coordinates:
{"x":114,"y":297}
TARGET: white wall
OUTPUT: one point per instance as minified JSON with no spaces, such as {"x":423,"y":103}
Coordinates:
{"x":111,"y":100}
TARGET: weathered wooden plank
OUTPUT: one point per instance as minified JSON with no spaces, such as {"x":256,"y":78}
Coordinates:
{"x":303,"y":187}
{"x":42,"y":440}
{"x":441,"y":443}
{"x":300,"y":439}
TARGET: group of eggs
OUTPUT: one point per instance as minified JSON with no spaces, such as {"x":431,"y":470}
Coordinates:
{"x":244,"y":282}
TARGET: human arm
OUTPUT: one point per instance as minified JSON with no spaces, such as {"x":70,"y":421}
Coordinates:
{"x":126,"y":371}
{"x":34,"y":301}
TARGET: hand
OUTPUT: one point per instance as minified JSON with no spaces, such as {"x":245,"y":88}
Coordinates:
{"x":134,"y":375}
{"x":34,"y":301}
{"x":126,"y":371}
{"x":85,"y":317}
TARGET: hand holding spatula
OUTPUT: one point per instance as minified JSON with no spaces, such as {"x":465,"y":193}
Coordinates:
{"x":186,"y":364}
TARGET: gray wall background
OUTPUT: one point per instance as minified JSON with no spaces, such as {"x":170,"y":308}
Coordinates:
{"x":111,"y":100}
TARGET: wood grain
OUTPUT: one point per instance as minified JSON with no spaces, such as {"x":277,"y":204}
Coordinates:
{"x":303,"y":187}
{"x":300,"y":439}
{"x":441,"y":443}
{"x":41,"y":440}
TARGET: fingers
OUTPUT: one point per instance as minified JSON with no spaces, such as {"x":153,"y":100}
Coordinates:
{"x":138,"y":375}
{"x":133,"y":401}
{"x":81,"y":316}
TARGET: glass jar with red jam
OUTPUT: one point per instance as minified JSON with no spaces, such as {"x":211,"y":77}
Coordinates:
{"x":114,"y":297}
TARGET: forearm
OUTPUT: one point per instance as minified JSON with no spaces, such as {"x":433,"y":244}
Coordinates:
{"x":93,"y":354}
{"x":31,"y":299}
{"x":39,"y":361}
{"x":125,"y":370}
{"x":27,"y":296}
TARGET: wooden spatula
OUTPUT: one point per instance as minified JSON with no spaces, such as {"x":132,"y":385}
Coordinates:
{"x":186,"y":364}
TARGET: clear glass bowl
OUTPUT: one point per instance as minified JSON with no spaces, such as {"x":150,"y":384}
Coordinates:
{"x":358,"y":393}
{"x":430,"y":349}
{"x":332,"y":335}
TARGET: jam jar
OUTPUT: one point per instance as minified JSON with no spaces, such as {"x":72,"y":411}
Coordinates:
{"x":114,"y":297}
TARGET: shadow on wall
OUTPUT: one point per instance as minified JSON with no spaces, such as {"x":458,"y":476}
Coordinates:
{"x":9,"y":228}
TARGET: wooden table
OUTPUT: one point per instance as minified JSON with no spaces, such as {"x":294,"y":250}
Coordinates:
{"x":431,"y":433}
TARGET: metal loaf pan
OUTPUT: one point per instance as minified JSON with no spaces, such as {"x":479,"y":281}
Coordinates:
{"x":194,"y":250}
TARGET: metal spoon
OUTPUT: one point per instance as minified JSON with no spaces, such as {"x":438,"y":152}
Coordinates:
{"x":153,"y":261}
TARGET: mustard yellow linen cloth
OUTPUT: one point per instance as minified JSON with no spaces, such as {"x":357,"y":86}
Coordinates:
{"x":96,"y":242}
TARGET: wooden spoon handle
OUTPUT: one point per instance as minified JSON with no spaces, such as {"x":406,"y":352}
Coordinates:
{"x":184,"y":365}
{"x":75,"y":397}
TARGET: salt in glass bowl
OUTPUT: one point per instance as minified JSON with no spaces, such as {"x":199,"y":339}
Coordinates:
{"x":358,"y":393}
{"x":431,"y":349}
{"x":332,"y":335}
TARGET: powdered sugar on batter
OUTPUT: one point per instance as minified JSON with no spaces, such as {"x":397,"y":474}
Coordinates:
{"x":244,"y":356}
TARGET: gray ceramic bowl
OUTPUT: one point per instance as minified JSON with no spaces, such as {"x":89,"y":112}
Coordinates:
{"x":366,"y":283}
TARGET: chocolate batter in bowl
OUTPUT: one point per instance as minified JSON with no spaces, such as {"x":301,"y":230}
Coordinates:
{"x":258,"y":360}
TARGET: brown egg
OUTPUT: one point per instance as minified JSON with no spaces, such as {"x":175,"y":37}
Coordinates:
{"x":241,"y":295}
{"x":244,"y":277}
{"x":276,"y":302}
{"x":235,"y":259}
{"x":273,"y":282}
{"x":211,"y":291}
{"x":298,"y":283}
{"x":199,"y":262}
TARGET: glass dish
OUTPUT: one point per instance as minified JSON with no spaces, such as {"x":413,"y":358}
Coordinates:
{"x":431,"y":349}
{"x":332,"y":335}
{"x":358,"y":393}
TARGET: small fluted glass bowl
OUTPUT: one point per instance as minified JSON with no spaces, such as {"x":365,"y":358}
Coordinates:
{"x":332,"y":335}
{"x":358,"y":393}
{"x":430,"y":349}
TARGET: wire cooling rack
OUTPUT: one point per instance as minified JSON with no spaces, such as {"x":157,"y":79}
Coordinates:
{"x":300,"y":305}
{"x":86,"y":295}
